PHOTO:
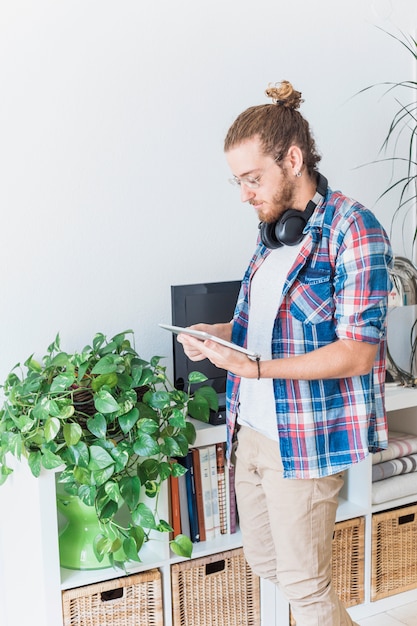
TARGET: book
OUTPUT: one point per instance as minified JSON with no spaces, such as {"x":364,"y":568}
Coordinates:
{"x":221,"y":487}
{"x":174,"y":502}
{"x":232,"y":500}
{"x":185,"y":520}
{"x":187,"y":462}
{"x":206,"y":489}
{"x":199,"y":493}
{"x":214,"y":490}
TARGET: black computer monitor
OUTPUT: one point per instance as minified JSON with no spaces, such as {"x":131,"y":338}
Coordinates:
{"x":202,"y":302}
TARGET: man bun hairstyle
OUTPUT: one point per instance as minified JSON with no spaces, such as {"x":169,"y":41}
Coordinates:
{"x":279,"y":125}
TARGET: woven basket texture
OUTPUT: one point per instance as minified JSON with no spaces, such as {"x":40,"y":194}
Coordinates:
{"x":129,"y":601}
{"x":218,"y":590}
{"x":394,"y":552}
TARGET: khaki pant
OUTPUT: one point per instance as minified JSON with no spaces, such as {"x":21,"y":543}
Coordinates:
{"x":287,"y":528}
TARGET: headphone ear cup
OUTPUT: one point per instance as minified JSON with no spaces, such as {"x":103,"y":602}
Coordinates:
{"x":268,"y":237}
{"x":289,"y":228}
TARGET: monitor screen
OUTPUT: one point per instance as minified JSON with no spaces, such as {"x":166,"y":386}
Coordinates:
{"x":208,"y":303}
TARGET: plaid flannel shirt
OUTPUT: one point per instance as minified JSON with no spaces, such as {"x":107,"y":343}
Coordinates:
{"x":337,"y":288}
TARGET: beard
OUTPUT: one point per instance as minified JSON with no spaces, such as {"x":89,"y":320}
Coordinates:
{"x":281,"y":201}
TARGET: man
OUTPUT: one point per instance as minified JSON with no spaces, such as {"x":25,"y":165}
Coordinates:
{"x":313,"y":304}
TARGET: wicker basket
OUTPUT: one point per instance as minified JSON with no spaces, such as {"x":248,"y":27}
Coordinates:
{"x":214,"y":591}
{"x":348,"y":558}
{"x":394,"y":552}
{"x":129,"y":601}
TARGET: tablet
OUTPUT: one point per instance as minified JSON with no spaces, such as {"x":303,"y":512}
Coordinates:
{"x":203,"y":336}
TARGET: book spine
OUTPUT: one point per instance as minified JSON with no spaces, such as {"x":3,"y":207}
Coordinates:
{"x":232,"y":500}
{"x":221,"y":487}
{"x":199,"y":494}
{"x":214,"y":490}
{"x":185,"y":520}
{"x":175,"y":505}
{"x":187,"y":461}
{"x":206,"y":489}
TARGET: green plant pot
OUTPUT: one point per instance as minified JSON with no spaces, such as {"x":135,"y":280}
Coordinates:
{"x":76,"y":539}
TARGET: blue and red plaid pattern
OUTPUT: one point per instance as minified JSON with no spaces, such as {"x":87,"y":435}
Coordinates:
{"x":337,"y":288}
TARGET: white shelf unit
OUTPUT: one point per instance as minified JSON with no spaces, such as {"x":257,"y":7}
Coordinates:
{"x":32,"y":581}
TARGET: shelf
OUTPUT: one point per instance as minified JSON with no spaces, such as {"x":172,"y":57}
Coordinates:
{"x":347,"y":510}
{"x":42,"y":578}
{"x":397,"y":397}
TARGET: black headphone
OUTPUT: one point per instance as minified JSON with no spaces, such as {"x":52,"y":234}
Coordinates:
{"x":288,"y":229}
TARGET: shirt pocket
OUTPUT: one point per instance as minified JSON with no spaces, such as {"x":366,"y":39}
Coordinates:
{"x":311,"y":297}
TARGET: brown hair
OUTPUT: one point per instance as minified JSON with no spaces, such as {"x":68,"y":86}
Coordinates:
{"x":278,"y":125}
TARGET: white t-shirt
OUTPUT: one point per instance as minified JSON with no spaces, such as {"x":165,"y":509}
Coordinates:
{"x":257,"y":401}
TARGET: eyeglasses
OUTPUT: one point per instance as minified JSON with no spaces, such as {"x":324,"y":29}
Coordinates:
{"x":253,"y":182}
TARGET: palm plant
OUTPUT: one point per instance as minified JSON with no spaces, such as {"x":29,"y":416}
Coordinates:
{"x":401,"y":139}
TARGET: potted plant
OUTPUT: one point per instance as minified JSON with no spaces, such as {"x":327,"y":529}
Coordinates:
{"x":403,"y":126}
{"x":110,"y":424}
{"x":399,"y":151}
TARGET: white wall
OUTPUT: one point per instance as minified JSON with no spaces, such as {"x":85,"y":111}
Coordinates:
{"x":113,"y":113}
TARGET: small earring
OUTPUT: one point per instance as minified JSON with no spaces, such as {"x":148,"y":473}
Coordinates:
{"x":298,"y":174}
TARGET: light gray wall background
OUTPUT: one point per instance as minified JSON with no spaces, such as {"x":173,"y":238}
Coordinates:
{"x":113,"y":179}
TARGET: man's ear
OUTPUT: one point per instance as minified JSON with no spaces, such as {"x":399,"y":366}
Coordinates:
{"x":295,"y":158}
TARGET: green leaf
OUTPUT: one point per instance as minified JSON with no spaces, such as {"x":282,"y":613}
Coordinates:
{"x":143,"y":516}
{"x":78,"y":454}
{"x":149,"y":426}
{"x":60,"y":360}
{"x":105,"y":403}
{"x":159,"y":400}
{"x":34,"y":462}
{"x":165,"y":470}
{"x":112,"y":491}
{"x":152,"y":488}
{"x":148,"y":470}
{"x":72,"y":433}
{"x":177,"y":420}
{"x":62,"y":382}
{"x":210,"y":395}
{"x":102,"y":546}
{"x":190,"y":433}
{"x":103,"y":475}
{"x":107,"y":510}
{"x":182,"y":443}
{"x":99,"y":458}
{"x":50,"y":460}
{"x":110,"y":380}
{"x":170,"y":447}
{"x":130,"y":491}
{"x":199,"y":408}
{"x":130,"y":549}
{"x":164,"y":527}
{"x":138,"y":535}
{"x":196,"y":377}
{"x":97,"y":425}
{"x":83,"y":476}
{"x":128,"y":420}
{"x":52,"y":427}
{"x":145,"y":445}
{"x":87,"y":493}
{"x":107,"y":364}
{"x":33,"y":365}
{"x":182,"y":546}
{"x":177,"y":469}
{"x":120,"y":456}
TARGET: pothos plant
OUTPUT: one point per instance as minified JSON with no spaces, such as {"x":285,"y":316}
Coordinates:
{"x":111,"y":425}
